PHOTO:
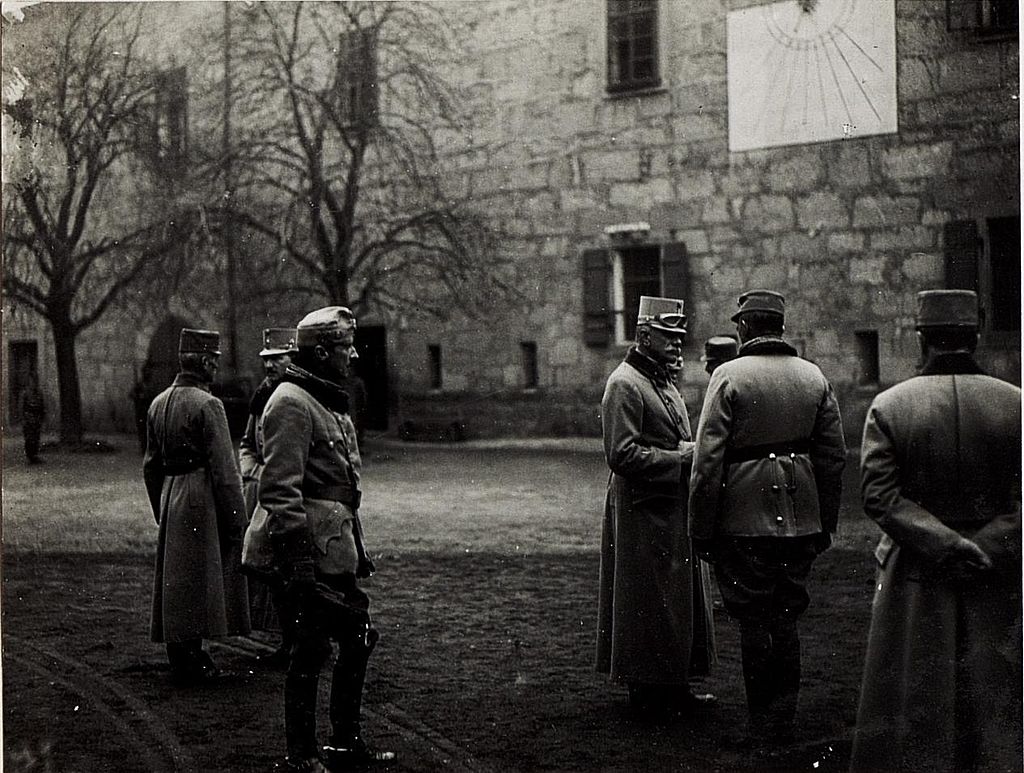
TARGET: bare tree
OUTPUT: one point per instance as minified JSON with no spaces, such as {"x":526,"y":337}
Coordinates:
{"x":81,"y":104}
{"x":339,"y":107}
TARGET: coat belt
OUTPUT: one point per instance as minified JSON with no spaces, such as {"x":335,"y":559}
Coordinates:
{"x":766,"y":450}
{"x":343,"y":494}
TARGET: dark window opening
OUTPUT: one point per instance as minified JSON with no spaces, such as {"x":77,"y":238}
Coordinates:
{"x":357,"y":84}
{"x":167,"y":140}
{"x":528,"y":354}
{"x":1004,"y":307}
{"x":641,"y":275}
{"x":632,"y":44}
{"x":983,"y":17}
{"x":867,"y":357}
{"x":434,"y":358}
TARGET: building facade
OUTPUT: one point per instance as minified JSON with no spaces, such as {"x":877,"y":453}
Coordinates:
{"x":847,"y":153}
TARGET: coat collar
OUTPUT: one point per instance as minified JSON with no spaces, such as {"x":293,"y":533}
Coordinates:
{"x":325,"y":392}
{"x":951,"y":364}
{"x":767,"y":345}
{"x":655,"y":371}
{"x":190,"y":380}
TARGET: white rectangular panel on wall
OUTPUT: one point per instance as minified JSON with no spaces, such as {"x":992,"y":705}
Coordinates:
{"x":803,"y":71}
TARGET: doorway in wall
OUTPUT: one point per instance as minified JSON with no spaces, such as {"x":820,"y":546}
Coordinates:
{"x":372,"y":368}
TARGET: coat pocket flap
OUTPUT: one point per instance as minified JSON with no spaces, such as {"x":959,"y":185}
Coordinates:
{"x":326,"y":520}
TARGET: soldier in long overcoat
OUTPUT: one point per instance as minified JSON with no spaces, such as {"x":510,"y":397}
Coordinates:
{"x":941,"y":475}
{"x":764,"y":500}
{"x":654,"y":616}
{"x":195,"y":492}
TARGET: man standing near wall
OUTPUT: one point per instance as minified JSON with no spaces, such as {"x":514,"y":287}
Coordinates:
{"x":195,"y":491}
{"x":654,"y":620}
{"x":941,"y":475}
{"x":764,"y":500}
{"x":310,"y":488}
{"x":718,"y":349}
{"x":265,"y":594}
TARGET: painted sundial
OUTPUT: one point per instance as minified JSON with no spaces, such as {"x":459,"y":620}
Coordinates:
{"x":804,"y":71}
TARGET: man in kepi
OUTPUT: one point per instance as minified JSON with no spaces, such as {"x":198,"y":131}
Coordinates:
{"x":195,"y":491}
{"x":941,"y":476}
{"x":654,"y":618}
{"x":265,"y":593}
{"x":718,"y":349}
{"x":764,"y":501}
{"x":310,"y":487}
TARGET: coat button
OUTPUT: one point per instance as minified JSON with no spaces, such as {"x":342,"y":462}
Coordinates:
{"x":775,"y":487}
{"x":771,"y":456}
{"x":778,"y":519}
{"x":330,"y":444}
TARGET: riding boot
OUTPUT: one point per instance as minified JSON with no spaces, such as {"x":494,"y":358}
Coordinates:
{"x":300,"y":692}
{"x":756,"y":651}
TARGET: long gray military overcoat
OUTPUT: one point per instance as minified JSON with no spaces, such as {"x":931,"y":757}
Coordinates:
{"x":654,"y":614}
{"x":941,"y":459}
{"x":195,"y":492}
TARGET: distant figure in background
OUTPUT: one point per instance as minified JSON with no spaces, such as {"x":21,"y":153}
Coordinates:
{"x":33,"y":411}
{"x":265,"y":594}
{"x":718,"y":349}
{"x":654,"y":603}
{"x":195,"y":491}
{"x":941,"y":476}
{"x":764,"y":501}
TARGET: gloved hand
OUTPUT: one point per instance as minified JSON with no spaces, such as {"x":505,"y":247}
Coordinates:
{"x":704,"y":549}
{"x":966,"y":560}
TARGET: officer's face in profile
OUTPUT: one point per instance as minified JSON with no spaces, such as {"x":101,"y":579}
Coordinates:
{"x":211,"y":363}
{"x":661,"y":346}
{"x":274,"y":366}
{"x":339,"y":356}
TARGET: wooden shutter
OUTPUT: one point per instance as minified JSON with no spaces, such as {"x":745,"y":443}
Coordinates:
{"x":962,"y":246}
{"x":675,"y":280}
{"x":597,"y":321}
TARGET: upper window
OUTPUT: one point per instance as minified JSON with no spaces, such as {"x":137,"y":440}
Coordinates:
{"x":357,"y":78}
{"x":983,"y":18}
{"x":168,"y":122}
{"x":632,"y":44}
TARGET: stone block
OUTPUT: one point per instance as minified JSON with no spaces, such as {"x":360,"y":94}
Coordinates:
{"x":694,"y":183}
{"x":729,"y":280}
{"x":912,"y":237}
{"x":822,"y":209}
{"x":974,"y":69}
{"x":640,"y":195}
{"x":772,"y":275}
{"x":768,"y":214}
{"x":885,"y":211}
{"x":917,"y":161}
{"x":673,"y":216}
{"x":923,"y":268}
{"x":918,"y":78}
{"x":800,"y":172}
{"x":841,"y":242}
{"x":867,"y":271}
{"x":851,"y":166}
{"x":702,"y":125}
{"x":565,"y":352}
{"x":716,"y":210}
{"x":613,"y":165}
{"x":695,"y":239}
{"x":799,"y":247}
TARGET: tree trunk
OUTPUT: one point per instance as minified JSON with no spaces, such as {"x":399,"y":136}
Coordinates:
{"x":67,"y":378}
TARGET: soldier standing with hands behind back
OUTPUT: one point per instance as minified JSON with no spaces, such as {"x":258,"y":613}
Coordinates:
{"x":654,"y":619}
{"x":941,"y":475}
{"x":195,"y":491}
{"x":764,"y":501}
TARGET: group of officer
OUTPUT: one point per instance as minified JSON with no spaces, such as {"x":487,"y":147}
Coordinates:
{"x":755,"y":494}
{"x":301,"y":465}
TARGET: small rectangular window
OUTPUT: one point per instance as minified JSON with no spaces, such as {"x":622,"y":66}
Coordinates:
{"x":167,"y":140}
{"x":982,"y":17}
{"x":632,"y":44}
{"x":867,"y":357}
{"x":434,"y":357}
{"x":357,"y":85}
{"x":528,"y":354}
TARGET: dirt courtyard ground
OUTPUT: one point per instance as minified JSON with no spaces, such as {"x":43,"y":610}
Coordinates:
{"x":485,"y":597}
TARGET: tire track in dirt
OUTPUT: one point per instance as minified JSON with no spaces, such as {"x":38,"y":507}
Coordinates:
{"x":448,"y":754}
{"x":143,"y":730}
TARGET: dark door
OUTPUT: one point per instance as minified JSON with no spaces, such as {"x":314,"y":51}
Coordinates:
{"x":24,"y":366}
{"x":372,"y":368}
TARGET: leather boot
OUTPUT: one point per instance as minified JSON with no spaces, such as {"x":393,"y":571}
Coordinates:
{"x":300,"y":714}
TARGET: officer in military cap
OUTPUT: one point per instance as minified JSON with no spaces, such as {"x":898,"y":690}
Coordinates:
{"x":718,"y":349}
{"x":195,"y":490}
{"x":265,"y":593}
{"x":310,"y":487}
{"x":654,"y":622}
{"x":764,"y":500}
{"x":941,"y":476}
